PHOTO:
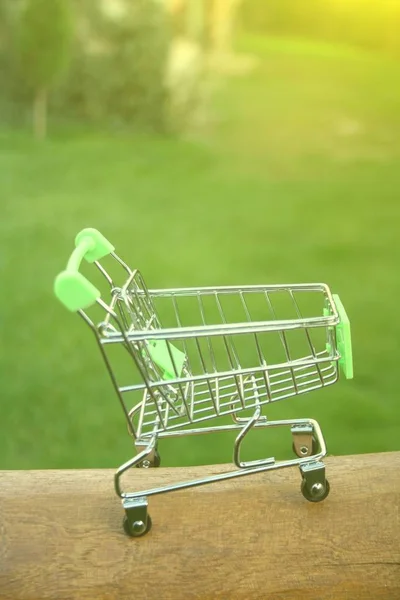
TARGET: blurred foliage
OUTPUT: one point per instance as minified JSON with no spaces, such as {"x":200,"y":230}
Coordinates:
{"x":11,"y":91}
{"x":298,"y":182}
{"x":371,"y":24}
{"x":44,"y":37}
{"x":117,"y":66}
{"x":43,"y":50}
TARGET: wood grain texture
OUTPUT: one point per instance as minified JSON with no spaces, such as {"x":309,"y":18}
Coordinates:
{"x":253,"y":537}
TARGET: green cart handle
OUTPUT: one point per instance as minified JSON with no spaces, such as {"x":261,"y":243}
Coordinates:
{"x":70,"y":286}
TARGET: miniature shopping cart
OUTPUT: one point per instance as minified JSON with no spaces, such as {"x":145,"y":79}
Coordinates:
{"x":195,"y":356}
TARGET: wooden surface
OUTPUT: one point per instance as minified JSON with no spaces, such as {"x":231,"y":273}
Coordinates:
{"x":253,"y":537}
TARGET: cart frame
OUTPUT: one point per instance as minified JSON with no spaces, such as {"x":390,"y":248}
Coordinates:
{"x":176,"y":397}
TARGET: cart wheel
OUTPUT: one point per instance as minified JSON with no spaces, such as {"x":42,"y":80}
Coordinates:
{"x":137,"y":529}
{"x":314,"y":449}
{"x":147,"y":464}
{"x":317,"y":492}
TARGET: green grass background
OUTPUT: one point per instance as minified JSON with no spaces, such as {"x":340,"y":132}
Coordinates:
{"x":297,"y":180}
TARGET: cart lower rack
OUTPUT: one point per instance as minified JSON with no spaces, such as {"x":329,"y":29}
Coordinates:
{"x":183,"y":360}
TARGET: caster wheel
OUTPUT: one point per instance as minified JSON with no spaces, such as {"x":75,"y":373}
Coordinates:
{"x":137,"y":529}
{"x":147,"y":464}
{"x":317,"y":492}
{"x":314,"y":449}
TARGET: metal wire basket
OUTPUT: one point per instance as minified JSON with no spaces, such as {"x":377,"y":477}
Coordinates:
{"x":197,"y":354}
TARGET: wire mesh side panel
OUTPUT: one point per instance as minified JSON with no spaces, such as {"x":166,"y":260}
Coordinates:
{"x":176,"y":382}
{"x":225,"y":374}
{"x":126,"y":307}
{"x":130,"y":309}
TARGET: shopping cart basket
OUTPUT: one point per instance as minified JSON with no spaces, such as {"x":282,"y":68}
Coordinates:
{"x":199,"y":354}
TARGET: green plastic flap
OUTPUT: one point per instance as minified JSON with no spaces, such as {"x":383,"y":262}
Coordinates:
{"x":158,"y":350}
{"x":343,"y":336}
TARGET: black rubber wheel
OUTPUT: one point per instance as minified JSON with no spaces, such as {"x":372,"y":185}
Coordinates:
{"x":129,"y":531}
{"x":314,"y":449}
{"x":316,"y":496}
{"x":155,"y":463}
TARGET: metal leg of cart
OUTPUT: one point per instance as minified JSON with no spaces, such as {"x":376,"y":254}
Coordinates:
{"x":308,"y":440}
{"x":305,"y":442}
{"x":137,"y":521}
{"x":152,"y":458}
{"x":308,"y":443}
{"x":314,"y":485}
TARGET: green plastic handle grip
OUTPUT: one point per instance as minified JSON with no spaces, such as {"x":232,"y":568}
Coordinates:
{"x":70,"y":286}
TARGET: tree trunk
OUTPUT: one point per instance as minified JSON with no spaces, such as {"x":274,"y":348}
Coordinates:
{"x":223,"y":14}
{"x":40,"y":114}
